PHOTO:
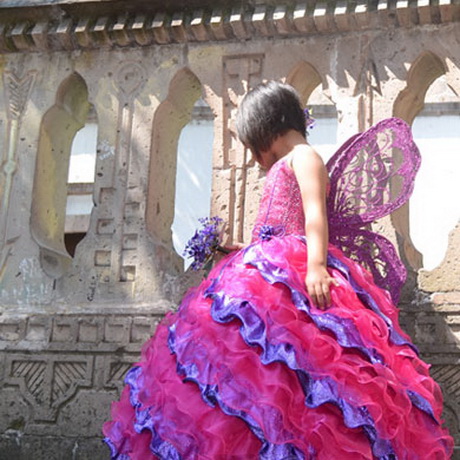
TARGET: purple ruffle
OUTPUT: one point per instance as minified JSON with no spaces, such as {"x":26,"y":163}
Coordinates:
{"x":144,"y":421}
{"x":211,"y":396}
{"x":114,"y":454}
{"x":368,"y":301}
{"x":419,"y":401}
{"x":344,"y":329}
{"x":317,"y":391}
{"x":395,"y":337}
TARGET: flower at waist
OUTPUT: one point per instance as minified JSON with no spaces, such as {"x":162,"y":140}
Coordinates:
{"x":267,"y":232}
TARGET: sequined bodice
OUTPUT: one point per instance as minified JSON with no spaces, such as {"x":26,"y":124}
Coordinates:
{"x":281,"y":203}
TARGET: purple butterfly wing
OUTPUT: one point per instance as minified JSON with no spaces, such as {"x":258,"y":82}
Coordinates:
{"x":376,"y":254}
{"x":371,"y":175}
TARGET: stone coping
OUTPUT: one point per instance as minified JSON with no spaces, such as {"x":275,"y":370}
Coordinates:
{"x":85,"y":24}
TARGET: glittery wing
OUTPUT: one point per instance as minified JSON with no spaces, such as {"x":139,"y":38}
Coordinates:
{"x":376,"y":254}
{"x":371,"y":175}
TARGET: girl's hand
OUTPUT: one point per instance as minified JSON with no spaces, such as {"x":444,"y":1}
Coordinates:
{"x":222,"y":251}
{"x":318,"y":281}
{"x":234,"y":247}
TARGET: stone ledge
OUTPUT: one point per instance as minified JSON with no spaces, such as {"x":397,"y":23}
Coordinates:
{"x":441,"y":298}
{"x":85,"y":333}
{"x":81,"y":28}
{"x":17,"y":445}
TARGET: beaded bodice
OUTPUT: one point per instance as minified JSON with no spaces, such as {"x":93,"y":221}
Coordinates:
{"x":281,"y":203}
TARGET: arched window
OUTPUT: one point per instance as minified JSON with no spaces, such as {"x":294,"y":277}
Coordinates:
{"x":49,"y":199}
{"x":434,"y":206}
{"x":323,"y":135}
{"x":307,"y":81}
{"x":193,"y":176}
{"x":423,"y":72}
{"x":81,"y":183}
{"x":173,"y":114}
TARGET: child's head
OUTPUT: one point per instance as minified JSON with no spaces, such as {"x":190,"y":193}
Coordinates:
{"x":266,"y":112}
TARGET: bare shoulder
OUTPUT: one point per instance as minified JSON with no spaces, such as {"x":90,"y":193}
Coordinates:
{"x":305,"y":159}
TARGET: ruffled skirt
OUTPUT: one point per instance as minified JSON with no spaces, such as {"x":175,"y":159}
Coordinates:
{"x":248,"y":368}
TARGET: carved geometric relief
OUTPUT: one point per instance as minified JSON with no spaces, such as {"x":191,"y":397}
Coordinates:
{"x":130,"y":80}
{"x":102,"y":258}
{"x":65,"y":377}
{"x":105,"y":226}
{"x":115,"y":372}
{"x":49,"y":382}
{"x":12,"y":330}
{"x":33,"y":375}
{"x":76,"y":333}
{"x":120,"y":214}
{"x":426,"y":332}
{"x":240,"y":73}
{"x":449,"y":377}
{"x":367,"y":85}
{"x":17,"y":92}
{"x":89,"y":331}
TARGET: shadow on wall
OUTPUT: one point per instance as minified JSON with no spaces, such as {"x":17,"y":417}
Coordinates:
{"x":57,"y":131}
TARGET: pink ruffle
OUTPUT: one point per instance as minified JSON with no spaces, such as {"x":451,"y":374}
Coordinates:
{"x":270,"y":395}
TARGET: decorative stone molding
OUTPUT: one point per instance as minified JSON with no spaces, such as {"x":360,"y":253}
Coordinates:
{"x":240,"y":72}
{"x":17,"y":90}
{"x":75,"y":333}
{"x":79,"y":28}
{"x":53,"y":362}
{"x":48,"y":382}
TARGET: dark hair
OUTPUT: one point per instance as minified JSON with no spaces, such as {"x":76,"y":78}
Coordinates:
{"x":266,"y":112}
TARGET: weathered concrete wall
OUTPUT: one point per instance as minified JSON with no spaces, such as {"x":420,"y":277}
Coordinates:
{"x":71,"y":327}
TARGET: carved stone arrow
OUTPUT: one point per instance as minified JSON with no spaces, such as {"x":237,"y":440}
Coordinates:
{"x":17,"y":91}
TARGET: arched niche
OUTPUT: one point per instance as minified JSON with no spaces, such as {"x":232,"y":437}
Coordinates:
{"x":422,"y":73}
{"x":307,"y":81}
{"x":169,"y":120}
{"x":80,"y":184}
{"x":436,"y":129}
{"x":193,"y":176}
{"x":304,"y":78}
{"x":57,"y":130}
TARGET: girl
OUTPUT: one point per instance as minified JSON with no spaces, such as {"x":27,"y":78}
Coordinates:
{"x":281,"y":353}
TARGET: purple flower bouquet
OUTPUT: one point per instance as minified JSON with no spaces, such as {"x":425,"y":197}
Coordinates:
{"x":204,"y":244}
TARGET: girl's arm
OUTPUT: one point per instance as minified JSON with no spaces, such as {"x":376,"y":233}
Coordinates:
{"x":312,"y":177}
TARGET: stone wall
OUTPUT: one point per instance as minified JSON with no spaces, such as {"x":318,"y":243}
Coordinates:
{"x":71,"y":326}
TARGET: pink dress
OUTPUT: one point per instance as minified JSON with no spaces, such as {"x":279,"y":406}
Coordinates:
{"x":248,"y":368}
